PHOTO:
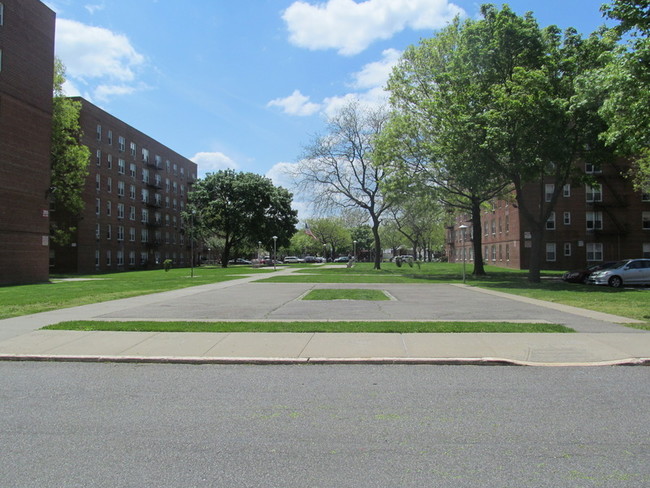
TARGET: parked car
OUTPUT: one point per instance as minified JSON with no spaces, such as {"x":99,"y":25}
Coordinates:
{"x":291,"y":259}
{"x":239,"y":261}
{"x":626,"y":272}
{"x":342,"y":259}
{"x":310,"y":259}
{"x":582,"y":275}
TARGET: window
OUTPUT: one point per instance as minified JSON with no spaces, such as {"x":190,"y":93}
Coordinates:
{"x":121,"y":143}
{"x":566,"y":190}
{"x":646,"y":250}
{"x":109,"y":232}
{"x":645,"y":197}
{"x":144,"y":216}
{"x":549,"y":189}
{"x":493,"y":224}
{"x":109,"y":184}
{"x":120,"y":211}
{"x":2,"y":13}
{"x":120,"y":233}
{"x":144,"y":193}
{"x":109,"y":160}
{"x":98,"y":185}
{"x":108,"y":208}
{"x":550,"y":222}
{"x":132,"y":234}
{"x":550,"y":252}
{"x":645,"y":219}
{"x":507,"y":223}
{"x":591,"y":169}
{"x":99,"y":132}
{"x":98,"y":231}
{"x":145,"y":176}
{"x":98,"y":156}
{"x":594,"y":220}
{"x":108,"y":258}
{"x":158,"y":162}
{"x":567,"y":218}
{"x":133,"y":149}
{"x":120,"y":188}
{"x":131,"y":258}
{"x":594,"y":193}
{"x":110,"y":137}
{"x":98,"y":205}
{"x":143,"y":257}
{"x":145,"y":155}
{"x":121,"y":166}
{"x":594,"y":251}
{"x":132,"y":192}
{"x":120,"y":258}
{"x":132,"y":170}
{"x":494,"y":252}
{"x":567,"y":249}
{"x":131,"y":212}
{"x":144,"y":235}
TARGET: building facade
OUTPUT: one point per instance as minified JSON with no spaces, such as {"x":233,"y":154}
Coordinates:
{"x":605,"y":220}
{"x":134,"y":198}
{"x":26,"y":74}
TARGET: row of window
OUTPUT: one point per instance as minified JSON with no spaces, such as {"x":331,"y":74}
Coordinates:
{"x":594,"y":220}
{"x":143,"y":261}
{"x":133,"y":173}
{"x":170,"y":238}
{"x":121,"y":186}
{"x":121,"y":147}
{"x":121,"y":207}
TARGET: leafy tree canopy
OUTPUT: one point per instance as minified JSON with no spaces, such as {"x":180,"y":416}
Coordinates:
{"x":242,"y":209}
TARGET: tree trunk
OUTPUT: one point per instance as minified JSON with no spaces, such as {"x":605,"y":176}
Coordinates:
{"x":536,"y":254}
{"x":477,"y":239}
{"x":225,"y":257}
{"x":378,"y":252}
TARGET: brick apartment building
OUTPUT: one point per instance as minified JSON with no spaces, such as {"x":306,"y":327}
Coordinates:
{"x":604,"y":222}
{"x":26,"y":73}
{"x":134,"y":196}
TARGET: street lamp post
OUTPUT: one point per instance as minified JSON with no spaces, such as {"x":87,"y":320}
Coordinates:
{"x":354,"y":250}
{"x":275,"y":250}
{"x":259,"y":252}
{"x":192,"y":246}
{"x":462,"y":238}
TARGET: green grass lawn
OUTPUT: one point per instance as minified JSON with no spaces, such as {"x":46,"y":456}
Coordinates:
{"x":328,"y":327}
{"x":22,"y":300}
{"x":347,"y":294}
{"x":28,"y":299}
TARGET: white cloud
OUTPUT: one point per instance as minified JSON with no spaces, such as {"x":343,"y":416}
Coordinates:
{"x":295,"y":104}
{"x":94,"y":8}
{"x":280,"y":175}
{"x":350,"y":27}
{"x":376,"y":74}
{"x":104,"y":62}
{"x":211,"y":162}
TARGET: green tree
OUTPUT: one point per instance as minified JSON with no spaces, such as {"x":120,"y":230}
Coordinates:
{"x":501,"y":107}
{"x":69,"y":162}
{"x":338,"y":170}
{"x":433,"y":142}
{"x":626,"y":83}
{"x":332,"y":234}
{"x":242,"y":209}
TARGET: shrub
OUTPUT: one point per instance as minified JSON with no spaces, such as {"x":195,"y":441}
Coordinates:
{"x":167,"y":264}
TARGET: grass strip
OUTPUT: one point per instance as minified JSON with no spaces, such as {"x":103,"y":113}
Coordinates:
{"x":346,"y":294}
{"x":349,"y":327}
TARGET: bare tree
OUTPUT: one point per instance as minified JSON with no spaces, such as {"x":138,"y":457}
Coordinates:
{"x":338,"y":171}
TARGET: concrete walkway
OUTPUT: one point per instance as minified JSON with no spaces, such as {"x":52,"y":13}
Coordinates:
{"x":600,"y":339}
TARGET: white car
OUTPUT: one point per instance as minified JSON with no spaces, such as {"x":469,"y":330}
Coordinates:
{"x":291,"y":259}
{"x":626,"y":272}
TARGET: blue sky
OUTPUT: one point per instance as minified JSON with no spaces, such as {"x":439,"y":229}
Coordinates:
{"x":246,"y":84}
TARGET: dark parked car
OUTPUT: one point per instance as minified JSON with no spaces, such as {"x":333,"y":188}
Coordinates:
{"x":342,"y":259}
{"x":239,"y":261}
{"x":582,"y":275}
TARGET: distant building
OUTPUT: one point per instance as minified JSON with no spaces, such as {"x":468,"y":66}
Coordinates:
{"x":134,"y":196}
{"x":26,"y":76}
{"x":606,"y":221}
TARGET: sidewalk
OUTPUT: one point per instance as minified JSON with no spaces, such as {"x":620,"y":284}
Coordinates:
{"x":600,"y":339}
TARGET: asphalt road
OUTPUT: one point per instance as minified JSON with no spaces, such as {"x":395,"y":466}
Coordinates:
{"x":128,"y":425}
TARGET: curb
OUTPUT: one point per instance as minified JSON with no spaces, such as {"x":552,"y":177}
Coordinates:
{"x":298,"y":361}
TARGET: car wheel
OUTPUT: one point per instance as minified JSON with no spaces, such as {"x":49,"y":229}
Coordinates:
{"x":615,"y":282}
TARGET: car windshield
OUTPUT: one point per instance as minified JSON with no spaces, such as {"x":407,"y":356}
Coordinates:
{"x":619,"y":264}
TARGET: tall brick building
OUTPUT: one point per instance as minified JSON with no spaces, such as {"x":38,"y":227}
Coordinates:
{"x":134,"y":196}
{"x":606,"y":221}
{"x":26,"y":74}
